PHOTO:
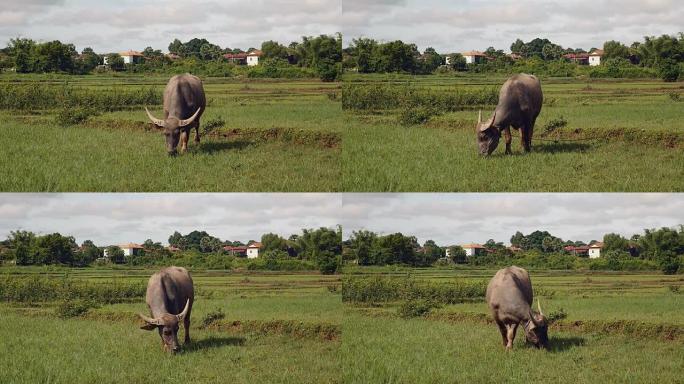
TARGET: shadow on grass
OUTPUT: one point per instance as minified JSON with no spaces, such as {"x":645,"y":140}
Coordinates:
{"x":213,"y":342}
{"x":562,"y":344}
{"x":561,"y":147}
{"x":211,"y":147}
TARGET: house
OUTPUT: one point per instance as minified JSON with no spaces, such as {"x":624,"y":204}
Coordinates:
{"x":514,"y":249}
{"x":595,"y":250}
{"x":236,"y":58}
{"x":577,"y":58}
{"x":129,"y":57}
{"x":253,"y":57}
{"x":474,"y":57}
{"x":240,"y":250}
{"x":595,"y":57}
{"x":473,"y":249}
{"x":253,"y":250}
{"x":514,"y":56}
{"x":129,"y":249}
{"x":173,"y":249}
{"x":173,"y":56}
{"x":582,"y":250}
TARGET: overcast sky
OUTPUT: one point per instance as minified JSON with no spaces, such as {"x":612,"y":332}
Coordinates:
{"x":112,"y":26}
{"x":461,"y":25}
{"x":120,"y":218}
{"x":458,"y":218}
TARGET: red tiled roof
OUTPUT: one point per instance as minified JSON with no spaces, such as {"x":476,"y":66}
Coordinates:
{"x":235,"y":55}
{"x":255,"y":52}
{"x":130,"y":53}
{"x":254,"y":245}
{"x":473,"y":53}
{"x":476,"y":246}
{"x":598,"y":52}
{"x":131,"y":245}
{"x":596,"y":245}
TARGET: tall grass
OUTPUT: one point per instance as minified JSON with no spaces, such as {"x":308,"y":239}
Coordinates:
{"x":379,"y":289}
{"x":37,"y":96}
{"x":32,"y":289}
{"x":388,"y":96}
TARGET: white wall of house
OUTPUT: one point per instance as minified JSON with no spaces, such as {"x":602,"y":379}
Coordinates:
{"x":252,"y":60}
{"x":470,"y":59}
{"x":594,"y":253}
{"x":469,"y":252}
{"x":127,"y":251}
{"x":594,"y":61}
{"x":127,"y":59}
{"x":252,"y":252}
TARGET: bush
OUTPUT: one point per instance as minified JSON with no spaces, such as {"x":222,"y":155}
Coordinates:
{"x":73,"y":115}
{"x":388,"y":96}
{"x":415,"y":115}
{"x":212,"y":317}
{"x":68,"y":308}
{"x":280,"y":265}
{"x":387,"y":289}
{"x":669,"y":70}
{"x":34,"y":289}
{"x":416,"y":308}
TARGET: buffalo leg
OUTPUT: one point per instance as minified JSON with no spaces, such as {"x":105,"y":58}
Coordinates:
{"x":512,"y":328}
{"x":504,"y":335}
{"x":184,"y":140}
{"x":507,"y":136}
{"x":186,"y":326}
{"x":197,"y":134}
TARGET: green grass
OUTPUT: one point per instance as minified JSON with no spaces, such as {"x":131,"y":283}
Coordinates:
{"x":106,"y":345}
{"x":621,"y":136}
{"x":278,"y":136}
{"x":453,"y":344}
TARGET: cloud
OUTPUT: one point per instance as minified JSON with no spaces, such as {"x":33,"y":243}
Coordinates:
{"x":114,"y":26}
{"x":116,"y":218}
{"x":463,"y":218}
{"x":456,"y":26}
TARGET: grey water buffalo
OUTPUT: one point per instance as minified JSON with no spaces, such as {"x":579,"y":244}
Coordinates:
{"x":170,"y":295}
{"x":184,"y":104}
{"x":520,"y":102}
{"x":509,"y":297}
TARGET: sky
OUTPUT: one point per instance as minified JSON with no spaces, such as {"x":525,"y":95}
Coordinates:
{"x":454,"y":218}
{"x":113,"y":26}
{"x":118,"y":218}
{"x":457,"y":218}
{"x":462,"y":25}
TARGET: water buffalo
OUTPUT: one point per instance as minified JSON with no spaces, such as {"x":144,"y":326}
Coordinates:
{"x":520,"y":102}
{"x":184,"y":104}
{"x":509,"y":297}
{"x":170,"y":294}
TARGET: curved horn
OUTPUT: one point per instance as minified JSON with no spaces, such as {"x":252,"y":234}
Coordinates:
{"x":182,"y":315}
{"x":479,"y":117}
{"x":192,"y":118}
{"x":154,"y":119}
{"x":539,"y":307}
{"x":150,"y":320}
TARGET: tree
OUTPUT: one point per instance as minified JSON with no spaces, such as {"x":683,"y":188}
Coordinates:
{"x":361,"y":245}
{"x":431,"y":60}
{"x":88,"y":253}
{"x":115,"y":62}
{"x":273,"y":242}
{"x":21,"y":244}
{"x":614,"y":242}
{"x":457,"y":254}
{"x":615,"y":50}
{"x":115,"y":254}
{"x":432,"y":252}
{"x":274,"y":50}
{"x":457,"y":62}
{"x":517,"y":47}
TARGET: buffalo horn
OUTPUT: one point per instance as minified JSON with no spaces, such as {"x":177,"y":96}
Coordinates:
{"x":182,"y":315}
{"x":192,"y":118}
{"x":156,"y":121}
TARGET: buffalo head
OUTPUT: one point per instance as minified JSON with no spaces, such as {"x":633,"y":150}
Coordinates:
{"x":487,"y":135}
{"x":167,"y":324}
{"x":172,"y":128}
{"x":536,"y":330}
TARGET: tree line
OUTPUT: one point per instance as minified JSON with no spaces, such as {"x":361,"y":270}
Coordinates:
{"x":658,"y":248}
{"x":663,"y":55}
{"x":321,"y":247}
{"x":322,"y":55}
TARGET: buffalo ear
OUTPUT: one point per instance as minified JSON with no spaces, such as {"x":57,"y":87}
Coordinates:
{"x":148,"y":327}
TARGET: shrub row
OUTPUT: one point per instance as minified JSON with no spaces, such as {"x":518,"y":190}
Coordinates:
{"x":30,"y":289}
{"x":380,"y":289}
{"x":47,"y":96}
{"x":388,"y":96}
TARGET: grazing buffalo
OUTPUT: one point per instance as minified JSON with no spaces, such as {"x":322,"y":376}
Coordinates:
{"x":184,"y":104}
{"x":170,"y":294}
{"x":520,"y":102}
{"x":509,"y":296}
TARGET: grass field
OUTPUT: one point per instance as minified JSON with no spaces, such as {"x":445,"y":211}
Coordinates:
{"x":620,"y":136}
{"x":619,"y":328}
{"x":278,"y":328}
{"x":278,"y":136}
